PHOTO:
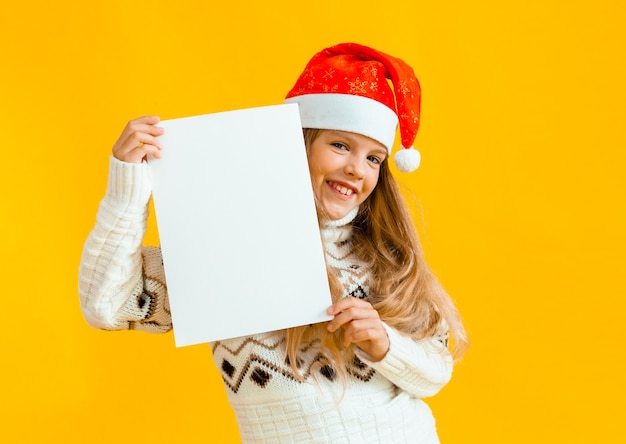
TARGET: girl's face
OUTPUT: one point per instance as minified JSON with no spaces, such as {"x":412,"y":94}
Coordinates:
{"x":344,"y":170}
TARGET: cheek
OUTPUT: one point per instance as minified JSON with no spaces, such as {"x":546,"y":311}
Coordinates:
{"x":315,"y":166}
{"x":372,"y":182}
{"x":317,"y":181}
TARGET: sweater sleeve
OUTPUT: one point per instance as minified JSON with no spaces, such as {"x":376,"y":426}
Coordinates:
{"x":420,"y":367}
{"x":122,"y":284}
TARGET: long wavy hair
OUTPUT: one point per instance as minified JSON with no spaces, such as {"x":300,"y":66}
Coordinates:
{"x":404,"y":291}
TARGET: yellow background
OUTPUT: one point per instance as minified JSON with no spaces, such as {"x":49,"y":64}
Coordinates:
{"x":521,"y":192}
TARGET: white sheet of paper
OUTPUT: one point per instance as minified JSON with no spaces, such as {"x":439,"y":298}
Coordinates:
{"x":237,"y":224}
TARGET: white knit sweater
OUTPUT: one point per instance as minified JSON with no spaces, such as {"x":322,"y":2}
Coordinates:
{"x":122,"y":286}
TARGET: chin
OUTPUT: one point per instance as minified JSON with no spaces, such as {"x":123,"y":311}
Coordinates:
{"x":336,"y":213}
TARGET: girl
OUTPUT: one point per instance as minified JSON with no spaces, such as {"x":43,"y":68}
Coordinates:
{"x":359,"y":377}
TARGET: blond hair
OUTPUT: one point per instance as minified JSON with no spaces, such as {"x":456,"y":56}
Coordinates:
{"x":404,"y":291}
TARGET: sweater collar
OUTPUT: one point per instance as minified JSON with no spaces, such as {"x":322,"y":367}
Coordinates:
{"x":343,"y":221}
{"x":338,"y":230}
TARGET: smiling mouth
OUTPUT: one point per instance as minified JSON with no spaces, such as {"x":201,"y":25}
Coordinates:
{"x":341,"y":189}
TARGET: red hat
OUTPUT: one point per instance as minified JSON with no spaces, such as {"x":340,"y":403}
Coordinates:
{"x":345,"y":88}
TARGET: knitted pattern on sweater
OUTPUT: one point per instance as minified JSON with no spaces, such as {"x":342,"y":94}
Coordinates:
{"x":272,"y":405}
{"x":122,"y":286}
{"x":261,"y":359}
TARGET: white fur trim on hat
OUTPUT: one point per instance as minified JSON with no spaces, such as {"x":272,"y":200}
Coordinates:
{"x":346,"y":112}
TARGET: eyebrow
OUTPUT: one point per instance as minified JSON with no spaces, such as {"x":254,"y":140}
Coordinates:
{"x":338,"y":133}
{"x":381,"y":150}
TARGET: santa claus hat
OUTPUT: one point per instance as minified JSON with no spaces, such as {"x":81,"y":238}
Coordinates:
{"x":345,"y":88}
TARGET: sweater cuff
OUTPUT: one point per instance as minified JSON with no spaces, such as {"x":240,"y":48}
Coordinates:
{"x":394,"y":361}
{"x":400,"y":346}
{"x":129,"y":185}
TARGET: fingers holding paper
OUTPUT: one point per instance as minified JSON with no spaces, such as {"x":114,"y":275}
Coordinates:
{"x":138,"y":140}
{"x":361,"y":326}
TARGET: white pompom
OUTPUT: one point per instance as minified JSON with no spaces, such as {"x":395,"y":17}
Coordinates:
{"x":407,"y":159}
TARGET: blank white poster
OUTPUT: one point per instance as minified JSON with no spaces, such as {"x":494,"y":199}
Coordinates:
{"x":237,"y":224}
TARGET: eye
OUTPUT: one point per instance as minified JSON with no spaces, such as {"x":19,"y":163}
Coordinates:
{"x":375,"y":159}
{"x":340,"y":146}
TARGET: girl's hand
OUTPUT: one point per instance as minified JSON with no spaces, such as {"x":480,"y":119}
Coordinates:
{"x":361,"y":326}
{"x":138,"y":140}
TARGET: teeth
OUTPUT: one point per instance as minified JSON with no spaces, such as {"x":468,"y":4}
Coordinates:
{"x":343,"y":190}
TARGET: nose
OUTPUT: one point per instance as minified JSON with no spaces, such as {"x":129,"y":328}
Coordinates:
{"x":355,"y":166}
